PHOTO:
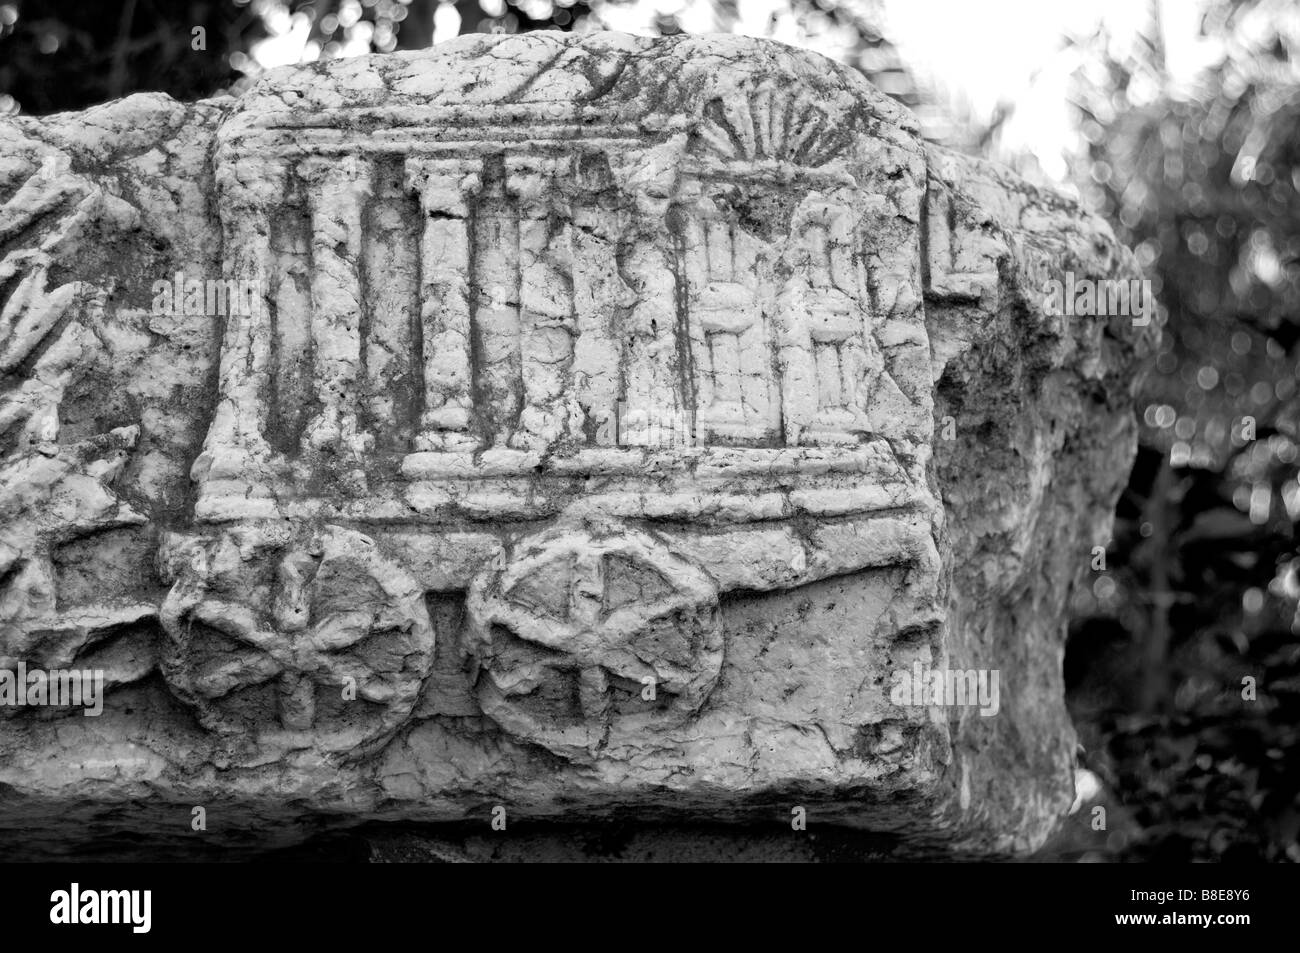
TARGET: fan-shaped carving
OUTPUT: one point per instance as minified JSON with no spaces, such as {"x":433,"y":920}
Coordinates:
{"x":771,"y":124}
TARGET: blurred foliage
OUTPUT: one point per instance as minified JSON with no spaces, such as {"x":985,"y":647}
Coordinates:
{"x":848,"y":31}
{"x":67,"y":54}
{"x":1200,"y":589}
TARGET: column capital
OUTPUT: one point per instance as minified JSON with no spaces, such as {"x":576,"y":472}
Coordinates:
{"x":258,"y":181}
{"x":322,"y":170}
{"x":536,"y":182}
{"x":444,"y":185}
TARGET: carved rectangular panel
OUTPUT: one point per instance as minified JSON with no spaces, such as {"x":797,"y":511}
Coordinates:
{"x":730,"y":282}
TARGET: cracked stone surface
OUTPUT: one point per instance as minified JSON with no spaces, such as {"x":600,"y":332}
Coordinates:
{"x":587,"y":425}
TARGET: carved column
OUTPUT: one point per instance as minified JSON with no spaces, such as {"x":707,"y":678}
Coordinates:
{"x":599,"y":293}
{"x":656,"y":413}
{"x":445,"y":188}
{"x":546,"y":319}
{"x":337,"y":190}
{"x":235,"y":446}
{"x":495,"y":300}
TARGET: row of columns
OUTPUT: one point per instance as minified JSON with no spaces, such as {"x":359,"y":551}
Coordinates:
{"x":533,"y":326}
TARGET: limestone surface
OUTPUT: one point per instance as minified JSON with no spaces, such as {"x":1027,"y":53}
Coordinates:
{"x":588,"y":427}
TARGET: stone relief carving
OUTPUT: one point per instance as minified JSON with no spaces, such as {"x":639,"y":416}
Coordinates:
{"x":611,"y":367}
{"x":272,"y":637}
{"x":556,"y":276}
{"x":53,"y":492}
{"x":581,"y":628}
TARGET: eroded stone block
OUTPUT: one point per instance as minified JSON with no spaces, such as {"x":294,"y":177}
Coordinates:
{"x":581,"y":424}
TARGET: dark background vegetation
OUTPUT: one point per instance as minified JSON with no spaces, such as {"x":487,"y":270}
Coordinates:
{"x":1202,"y":578}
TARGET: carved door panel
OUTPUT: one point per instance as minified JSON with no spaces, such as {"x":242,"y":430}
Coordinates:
{"x":728,"y":271}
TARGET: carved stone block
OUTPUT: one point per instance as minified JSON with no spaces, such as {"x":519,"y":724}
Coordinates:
{"x":580,"y":424}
